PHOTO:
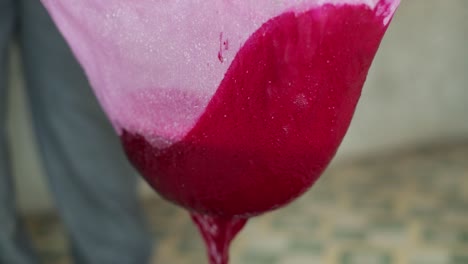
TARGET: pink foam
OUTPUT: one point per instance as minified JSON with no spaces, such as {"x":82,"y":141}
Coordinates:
{"x":147,"y":47}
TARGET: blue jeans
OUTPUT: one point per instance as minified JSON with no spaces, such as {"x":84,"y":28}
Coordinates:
{"x":93,"y":186}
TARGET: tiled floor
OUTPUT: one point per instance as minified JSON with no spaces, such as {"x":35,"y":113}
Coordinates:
{"x":409,"y":207}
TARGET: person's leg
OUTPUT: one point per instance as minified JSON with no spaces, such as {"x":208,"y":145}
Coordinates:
{"x":14,"y":247}
{"x":93,"y":184}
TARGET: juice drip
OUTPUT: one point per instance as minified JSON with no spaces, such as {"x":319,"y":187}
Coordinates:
{"x":218,"y":232}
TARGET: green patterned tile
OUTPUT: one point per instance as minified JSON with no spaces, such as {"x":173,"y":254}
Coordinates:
{"x":402,"y":208}
{"x":430,"y":256}
{"x":300,"y":259}
{"x":189,"y":243}
{"x":392,"y":229}
{"x":365,"y":257}
{"x":305,"y":223}
{"x":308,"y":245}
{"x":446,"y":235}
{"x":267,"y":245}
{"x":459,"y":259}
{"x":251,"y":257}
{"x":422,"y":212}
{"x":349,"y":234}
{"x":322,"y":196}
{"x":380,"y":205}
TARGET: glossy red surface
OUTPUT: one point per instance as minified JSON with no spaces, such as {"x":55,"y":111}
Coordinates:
{"x":273,"y":125}
{"x":276,"y":119}
{"x":217,"y":233}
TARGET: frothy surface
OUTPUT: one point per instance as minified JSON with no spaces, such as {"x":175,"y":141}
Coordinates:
{"x":153,"y":48}
{"x":276,"y":120}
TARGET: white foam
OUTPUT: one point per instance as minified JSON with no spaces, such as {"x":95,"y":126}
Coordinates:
{"x":156,"y":47}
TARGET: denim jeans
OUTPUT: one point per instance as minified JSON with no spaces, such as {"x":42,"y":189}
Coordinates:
{"x":93,"y":186}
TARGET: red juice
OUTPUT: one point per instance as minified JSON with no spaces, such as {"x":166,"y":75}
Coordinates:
{"x":274,"y":123}
{"x":217,"y":233}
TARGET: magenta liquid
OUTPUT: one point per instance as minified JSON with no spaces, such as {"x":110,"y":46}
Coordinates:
{"x":273,"y":125}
